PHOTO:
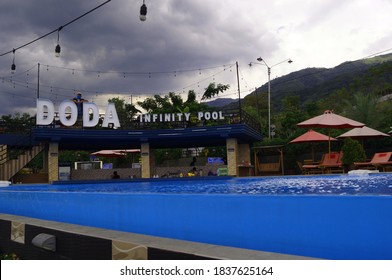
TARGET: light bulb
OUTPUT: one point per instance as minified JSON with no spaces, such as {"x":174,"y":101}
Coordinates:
{"x":57,"y":50}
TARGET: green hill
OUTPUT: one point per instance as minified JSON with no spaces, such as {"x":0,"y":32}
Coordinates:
{"x":372,"y":75}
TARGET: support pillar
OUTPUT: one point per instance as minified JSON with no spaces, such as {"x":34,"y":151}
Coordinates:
{"x":146,"y":160}
{"x":232,"y":156}
{"x":53,"y":162}
{"x":244,"y":153}
{"x":244,"y":161}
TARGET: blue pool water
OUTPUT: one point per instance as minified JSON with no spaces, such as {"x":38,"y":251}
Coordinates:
{"x":373,"y":184}
{"x":332,"y":217}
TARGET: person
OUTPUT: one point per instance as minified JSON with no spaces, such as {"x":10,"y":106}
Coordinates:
{"x":192,"y":172}
{"x":78,"y":99}
{"x":115,"y":175}
{"x":193,"y":163}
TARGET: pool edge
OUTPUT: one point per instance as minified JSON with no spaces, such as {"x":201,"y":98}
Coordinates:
{"x":142,"y":246}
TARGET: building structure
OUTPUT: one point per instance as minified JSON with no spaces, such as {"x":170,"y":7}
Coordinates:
{"x":235,"y":131}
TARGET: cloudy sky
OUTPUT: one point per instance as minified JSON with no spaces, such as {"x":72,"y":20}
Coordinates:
{"x":183,"y":45}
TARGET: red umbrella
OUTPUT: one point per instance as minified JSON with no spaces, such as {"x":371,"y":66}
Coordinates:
{"x":312,"y":136}
{"x":109,"y":153}
{"x":115,"y":153}
{"x":330,"y":120}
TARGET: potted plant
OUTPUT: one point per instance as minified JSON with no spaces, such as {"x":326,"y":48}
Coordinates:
{"x":352,"y":152}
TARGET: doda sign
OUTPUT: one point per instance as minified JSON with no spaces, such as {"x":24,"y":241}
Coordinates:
{"x":68,"y":113}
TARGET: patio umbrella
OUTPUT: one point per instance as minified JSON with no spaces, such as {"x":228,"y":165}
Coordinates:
{"x":330,"y":120}
{"x":115,"y":153}
{"x":312,"y":136}
{"x":363,"y":133}
{"x":109,"y":154}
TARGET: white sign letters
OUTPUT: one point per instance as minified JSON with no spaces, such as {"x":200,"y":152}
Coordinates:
{"x":68,"y":113}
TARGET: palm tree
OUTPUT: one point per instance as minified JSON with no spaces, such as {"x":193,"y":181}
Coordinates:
{"x":364,"y":108}
{"x":213,"y":90}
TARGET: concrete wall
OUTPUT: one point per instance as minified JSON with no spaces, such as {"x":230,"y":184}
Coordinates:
{"x":30,"y":178}
{"x":104,"y":174}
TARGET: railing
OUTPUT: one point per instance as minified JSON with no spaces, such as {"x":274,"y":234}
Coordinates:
{"x":21,"y":149}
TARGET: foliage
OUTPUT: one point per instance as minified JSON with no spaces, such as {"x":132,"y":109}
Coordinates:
{"x":11,"y":256}
{"x":164,"y":154}
{"x":213,"y":90}
{"x":363,"y":108}
{"x":67,"y":156}
{"x":17,"y":122}
{"x":165,"y":104}
{"x":126,"y":112}
{"x":352,"y":152}
{"x":291,"y":115}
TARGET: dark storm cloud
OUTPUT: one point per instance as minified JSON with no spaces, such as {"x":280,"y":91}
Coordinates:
{"x":178,"y":35}
{"x":110,"y":51}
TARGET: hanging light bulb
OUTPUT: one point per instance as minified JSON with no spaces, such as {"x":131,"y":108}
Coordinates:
{"x":13,"y":67}
{"x":143,"y":12}
{"x":57,"y":50}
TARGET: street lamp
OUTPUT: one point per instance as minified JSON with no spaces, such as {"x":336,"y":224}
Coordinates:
{"x":262,"y":62}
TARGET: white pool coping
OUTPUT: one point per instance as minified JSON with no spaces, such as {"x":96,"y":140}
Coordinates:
{"x":175,"y":245}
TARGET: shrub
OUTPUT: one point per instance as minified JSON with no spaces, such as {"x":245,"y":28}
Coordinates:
{"x":352,"y":152}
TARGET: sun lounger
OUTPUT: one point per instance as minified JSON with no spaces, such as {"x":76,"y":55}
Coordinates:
{"x":308,"y":169}
{"x":332,"y":163}
{"x":379,"y":160}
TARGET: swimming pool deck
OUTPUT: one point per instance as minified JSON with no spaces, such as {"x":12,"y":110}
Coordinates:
{"x":126,"y":245}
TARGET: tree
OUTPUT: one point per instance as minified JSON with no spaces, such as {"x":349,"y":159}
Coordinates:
{"x":126,"y":112}
{"x":352,"y":152}
{"x":165,"y":104}
{"x":213,"y":90}
{"x":291,"y":115}
{"x":364,"y":108}
{"x":18,"y":122}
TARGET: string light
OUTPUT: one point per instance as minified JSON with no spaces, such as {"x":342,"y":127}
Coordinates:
{"x":143,"y":12}
{"x":57,"y":50}
{"x":13,"y":66}
{"x":61,"y":92}
{"x":125,"y":74}
{"x":57,"y":29}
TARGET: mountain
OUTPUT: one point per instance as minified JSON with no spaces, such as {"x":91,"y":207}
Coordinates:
{"x":372,"y":75}
{"x":220,"y":102}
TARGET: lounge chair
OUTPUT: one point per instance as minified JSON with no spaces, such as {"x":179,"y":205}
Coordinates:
{"x":308,"y":169}
{"x":332,"y":163}
{"x":379,"y":160}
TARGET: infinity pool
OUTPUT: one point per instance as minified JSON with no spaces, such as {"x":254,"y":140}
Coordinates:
{"x":374,"y":184}
{"x":332,"y":217}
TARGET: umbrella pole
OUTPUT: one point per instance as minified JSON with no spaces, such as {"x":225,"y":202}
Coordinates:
{"x":312,"y":152}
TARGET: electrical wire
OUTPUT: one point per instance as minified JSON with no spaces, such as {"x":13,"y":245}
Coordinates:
{"x":55,"y":30}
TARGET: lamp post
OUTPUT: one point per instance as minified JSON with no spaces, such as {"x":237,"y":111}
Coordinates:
{"x":262,"y":62}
